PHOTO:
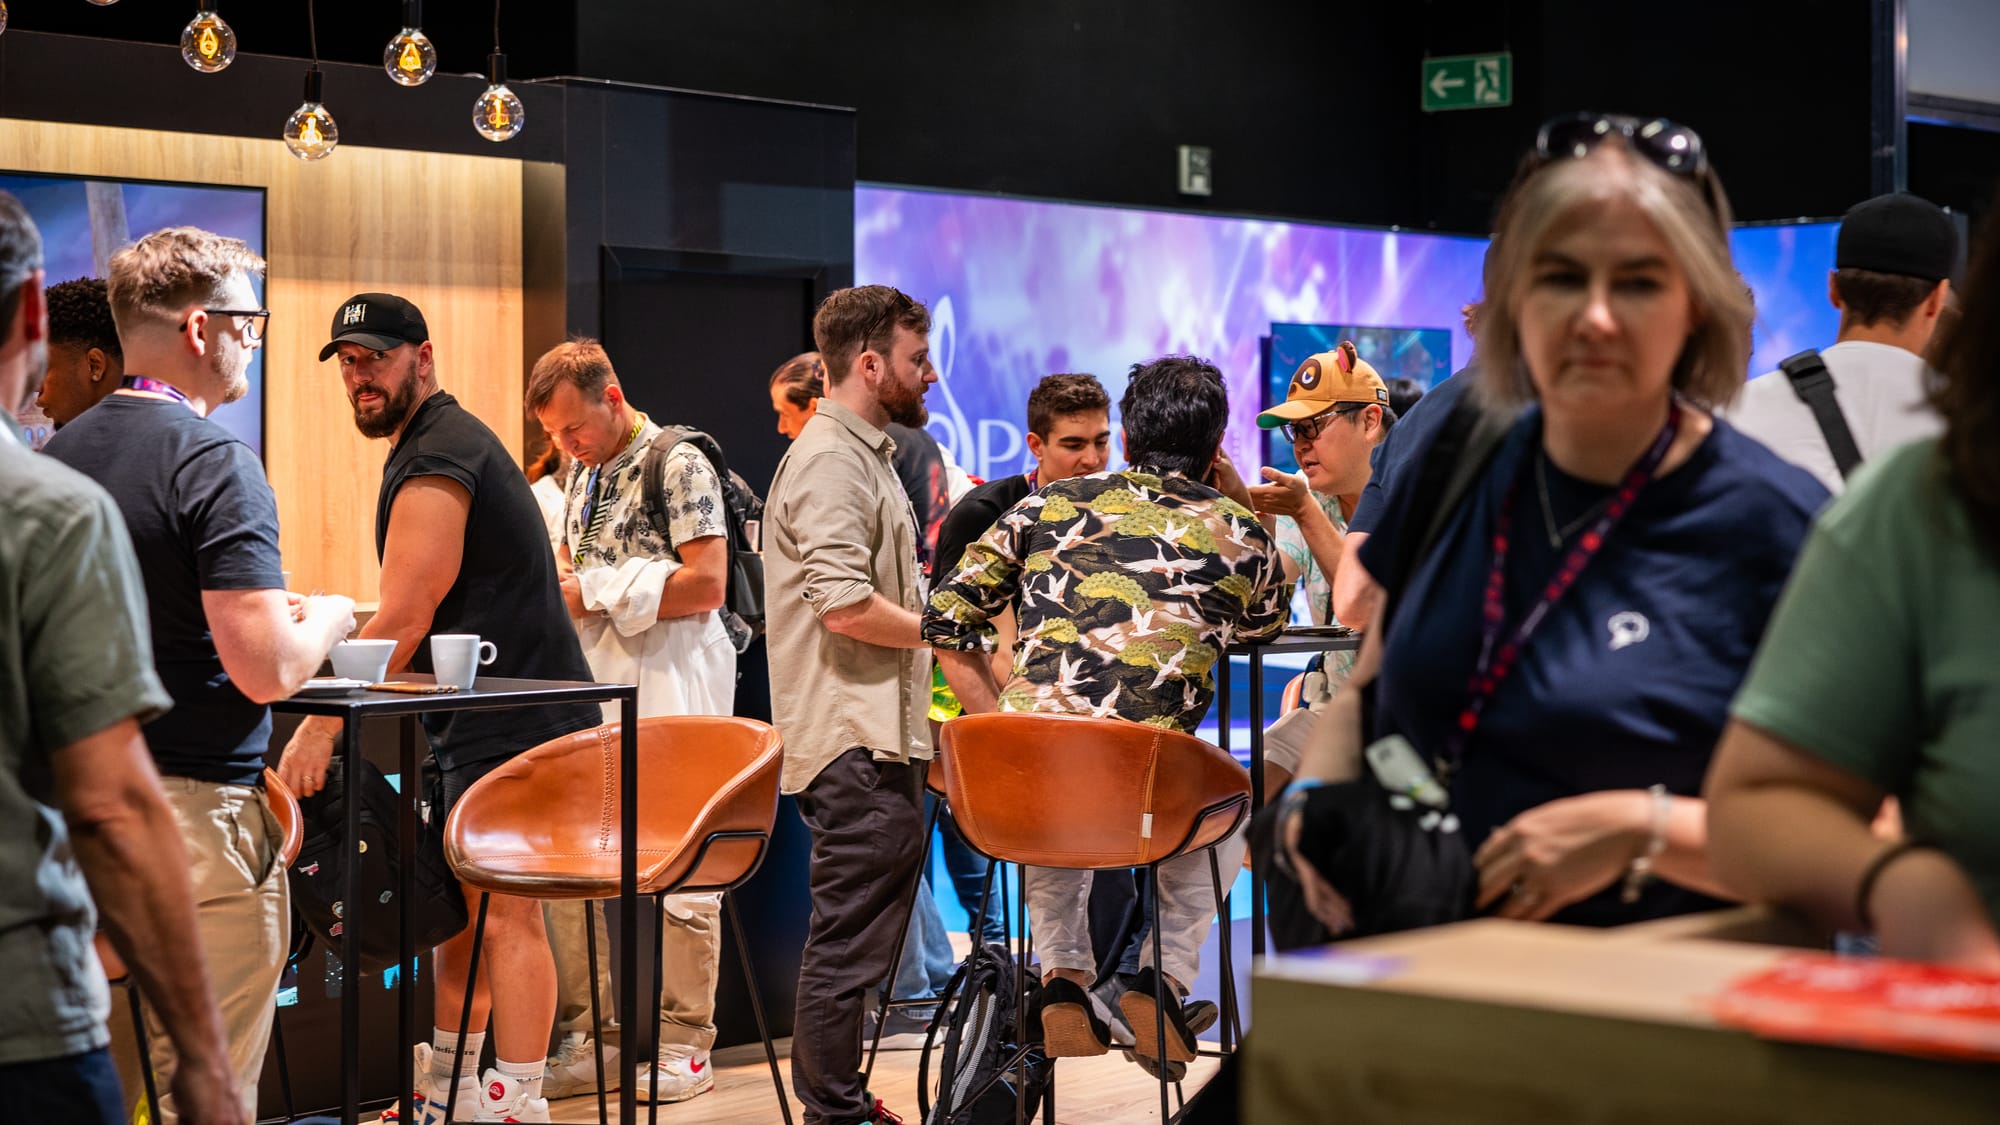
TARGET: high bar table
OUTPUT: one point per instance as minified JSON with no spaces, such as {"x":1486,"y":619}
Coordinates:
{"x":486,"y":694}
{"x":1317,"y":639}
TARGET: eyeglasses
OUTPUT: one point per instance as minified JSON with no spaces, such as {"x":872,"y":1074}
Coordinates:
{"x":1309,"y":429}
{"x":1674,"y":148}
{"x":254,"y":330}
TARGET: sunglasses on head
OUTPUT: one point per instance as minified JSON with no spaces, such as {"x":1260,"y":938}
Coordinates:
{"x":1673,"y":148}
{"x":1308,"y":429}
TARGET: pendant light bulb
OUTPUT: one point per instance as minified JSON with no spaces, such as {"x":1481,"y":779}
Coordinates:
{"x":410,"y":58}
{"x":3,"y":15}
{"x":498,"y":114}
{"x":103,"y":3}
{"x":207,"y":43}
{"x":310,"y":132}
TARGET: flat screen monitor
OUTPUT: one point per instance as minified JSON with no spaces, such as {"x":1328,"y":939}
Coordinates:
{"x":84,"y":221}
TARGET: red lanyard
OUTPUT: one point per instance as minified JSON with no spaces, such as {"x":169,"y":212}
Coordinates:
{"x":1497,"y":659}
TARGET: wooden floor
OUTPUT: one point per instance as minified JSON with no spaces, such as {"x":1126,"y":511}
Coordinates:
{"x":1089,"y":1091}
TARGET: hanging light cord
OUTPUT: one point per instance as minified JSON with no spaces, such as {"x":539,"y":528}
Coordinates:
{"x":312,"y":32}
{"x":496,"y":26}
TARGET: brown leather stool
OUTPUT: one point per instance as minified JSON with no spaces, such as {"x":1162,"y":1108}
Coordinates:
{"x":545,"y":826}
{"x":1072,"y":791}
{"x":291,"y":833}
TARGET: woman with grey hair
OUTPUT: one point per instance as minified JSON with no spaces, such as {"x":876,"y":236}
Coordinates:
{"x":1562,"y":655}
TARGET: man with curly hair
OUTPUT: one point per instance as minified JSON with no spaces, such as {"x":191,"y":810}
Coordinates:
{"x":85,"y":359}
{"x":1127,"y":588}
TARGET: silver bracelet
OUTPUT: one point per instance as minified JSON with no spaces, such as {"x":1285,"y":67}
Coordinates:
{"x":1641,"y":870}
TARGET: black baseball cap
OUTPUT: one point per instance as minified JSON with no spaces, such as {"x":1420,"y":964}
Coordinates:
{"x":379,"y":321}
{"x":1898,"y":233}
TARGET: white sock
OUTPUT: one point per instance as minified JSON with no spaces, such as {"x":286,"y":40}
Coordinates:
{"x":528,"y":1074}
{"x":444,"y":1043}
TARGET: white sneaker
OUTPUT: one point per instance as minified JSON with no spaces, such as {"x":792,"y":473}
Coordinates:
{"x":429,"y":1096}
{"x":506,"y":1099}
{"x":680,"y":1073}
{"x":572,"y":1069}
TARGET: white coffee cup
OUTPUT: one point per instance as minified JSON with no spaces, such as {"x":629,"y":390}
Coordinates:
{"x":363,"y":659}
{"x":456,"y":657}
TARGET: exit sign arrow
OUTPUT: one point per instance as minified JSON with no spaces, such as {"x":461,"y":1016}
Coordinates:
{"x":1468,"y":81}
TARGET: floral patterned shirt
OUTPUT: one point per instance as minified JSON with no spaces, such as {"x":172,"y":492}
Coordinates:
{"x":604,"y":511}
{"x":1128,"y":586}
{"x":613,"y":527}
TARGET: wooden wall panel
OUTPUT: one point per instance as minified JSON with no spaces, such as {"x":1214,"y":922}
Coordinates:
{"x":441,"y":230}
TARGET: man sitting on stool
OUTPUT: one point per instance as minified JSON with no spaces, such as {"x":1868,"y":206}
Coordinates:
{"x":1126,"y":588}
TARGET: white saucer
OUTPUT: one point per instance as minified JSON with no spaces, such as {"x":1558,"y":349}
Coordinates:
{"x":330,"y":685}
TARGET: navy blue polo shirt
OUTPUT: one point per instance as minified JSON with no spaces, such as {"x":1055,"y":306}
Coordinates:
{"x":1627,"y":682}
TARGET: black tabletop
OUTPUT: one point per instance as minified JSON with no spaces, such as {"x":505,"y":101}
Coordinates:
{"x":1300,"y":641}
{"x":487,"y":693}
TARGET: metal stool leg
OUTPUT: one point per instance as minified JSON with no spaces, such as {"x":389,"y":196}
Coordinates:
{"x":145,"y":1053}
{"x":284,"y":1069}
{"x":757,"y":1005}
{"x":1160,"y":991}
{"x":896,"y":957}
{"x":596,"y":1017}
{"x":1232,"y":1019}
{"x":659,"y":1013}
{"x":465,"y":1012}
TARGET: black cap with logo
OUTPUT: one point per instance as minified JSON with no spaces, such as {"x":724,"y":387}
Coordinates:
{"x":379,"y":321}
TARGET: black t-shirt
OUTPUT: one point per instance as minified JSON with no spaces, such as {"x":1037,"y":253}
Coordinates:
{"x":973,"y":516}
{"x":201,"y":517}
{"x":506,"y":590}
{"x":920,"y":466}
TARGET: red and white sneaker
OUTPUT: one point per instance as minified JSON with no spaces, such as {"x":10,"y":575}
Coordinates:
{"x":680,"y":1073}
{"x":427,"y":1100}
{"x":506,"y":1099}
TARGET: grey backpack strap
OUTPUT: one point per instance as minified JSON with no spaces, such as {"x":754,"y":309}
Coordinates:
{"x":1813,"y":383}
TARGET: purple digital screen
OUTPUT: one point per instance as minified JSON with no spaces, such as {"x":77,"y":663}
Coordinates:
{"x":1019,"y":289}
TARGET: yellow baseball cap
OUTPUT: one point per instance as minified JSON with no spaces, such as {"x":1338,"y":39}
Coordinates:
{"x":1322,"y":382}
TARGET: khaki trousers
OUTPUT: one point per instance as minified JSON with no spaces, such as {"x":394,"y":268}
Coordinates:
{"x":242,"y":921}
{"x":690,"y":954}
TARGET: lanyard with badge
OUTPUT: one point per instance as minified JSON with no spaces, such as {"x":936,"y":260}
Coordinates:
{"x":591,"y":497}
{"x":154,"y":386}
{"x":1395,"y":763}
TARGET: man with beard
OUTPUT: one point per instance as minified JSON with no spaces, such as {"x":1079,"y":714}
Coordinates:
{"x":843,"y":591}
{"x":460,"y":538}
{"x":227,"y":638}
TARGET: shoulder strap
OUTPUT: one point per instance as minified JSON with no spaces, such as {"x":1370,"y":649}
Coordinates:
{"x":1455,"y":460}
{"x":1813,"y":383}
{"x":653,"y":478}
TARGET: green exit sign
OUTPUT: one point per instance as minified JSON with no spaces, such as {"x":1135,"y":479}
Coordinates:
{"x":1468,"y":81}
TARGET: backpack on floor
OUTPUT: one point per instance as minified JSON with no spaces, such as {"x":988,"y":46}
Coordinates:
{"x":985,"y":1027}
{"x":744,"y":514}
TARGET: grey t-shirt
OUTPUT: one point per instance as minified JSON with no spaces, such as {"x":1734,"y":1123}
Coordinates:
{"x":75,"y":658}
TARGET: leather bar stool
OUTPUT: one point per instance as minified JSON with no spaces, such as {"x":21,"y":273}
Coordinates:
{"x":545,"y":826}
{"x":291,"y":833}
{"x":1071,"y":791}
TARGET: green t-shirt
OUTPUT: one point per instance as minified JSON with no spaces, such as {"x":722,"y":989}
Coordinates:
{"x":1883,"y":657}
{"x":74,"y":659}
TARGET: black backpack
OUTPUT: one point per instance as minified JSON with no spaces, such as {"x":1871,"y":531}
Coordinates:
{"x":985,"y":1029}
{"x":745,"y":513}
{"x":437,"y":902}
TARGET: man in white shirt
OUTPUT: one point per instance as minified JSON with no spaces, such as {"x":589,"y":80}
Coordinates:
{"x":648,"y":607}
{"x":1892,"y":263}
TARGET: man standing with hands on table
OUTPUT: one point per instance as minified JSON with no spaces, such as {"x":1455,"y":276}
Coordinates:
{"x":843,"y":590}
{"x":227,"y":638}
{"x":647,"y":602}
{"x":462,"y":548}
